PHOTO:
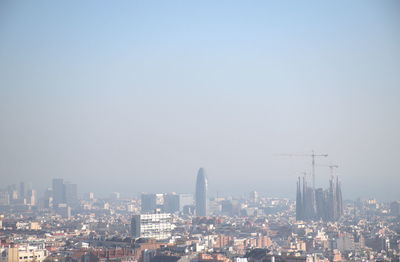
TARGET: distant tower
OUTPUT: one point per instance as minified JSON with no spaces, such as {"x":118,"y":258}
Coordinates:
{"x":299,"y":202}
{"x":58,"y":191}
{"x":22,"y":191}
{"x":201,"y":193}
{"x":339,"y":200}
{"x":332,"y":200}
{"x":71,"y":193}
{"x":254,"y":196}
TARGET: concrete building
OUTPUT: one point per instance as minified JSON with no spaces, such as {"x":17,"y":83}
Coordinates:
{"x":71,"y":193}
{"x":150,"y":202}
{"x":171,"y":203}
{"x":23,"y":253}
{"x":176,"y":202}
{"x":31,"y":198}
{"x":58,"y":191}
{"x":4,"y":198}
{"x":157,"y":226}
{"x":64,"y":210}
{"x":22,"y":192}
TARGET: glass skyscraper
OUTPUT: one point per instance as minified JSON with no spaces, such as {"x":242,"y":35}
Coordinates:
{"x":201,"y":193}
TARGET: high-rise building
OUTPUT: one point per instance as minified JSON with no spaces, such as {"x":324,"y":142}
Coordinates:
{"x":201,"y":193}
{"x":176,"y":202}
{"x":149,"y":202}
{"x":157,"y":226}
{"x":171,"y":203}
{"x":58,"y":191}
{"x":48,"y":198}
{"x":4,"y":198}
{"x":89,"y":196}
{"x":31,"y":199}
{"x":254,"y":196}
{"x":22,"y":191}
{"x":71,"y":193}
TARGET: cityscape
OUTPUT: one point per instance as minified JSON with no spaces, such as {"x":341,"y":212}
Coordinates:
{"x":199,"y":131}
{"x":314,"y":225}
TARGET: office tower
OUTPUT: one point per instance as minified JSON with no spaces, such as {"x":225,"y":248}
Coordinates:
{"x":150,"y":202}
{"x":48,"y":198}
{"x":201,"y":193}
{"x":31,"y":199}
{"x":71,"y":193}
{"x":89,"y":196}
{"x":171,"y":203}
{"x":4,"y":198}
{"x":157,"y":226}
{"x":254,"y":196}
{"x":22,"y":191}
{"x":176,"y":202}
{"x":58,"y":191}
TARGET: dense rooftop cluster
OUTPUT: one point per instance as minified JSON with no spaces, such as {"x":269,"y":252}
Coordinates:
{"x":237,"y":229}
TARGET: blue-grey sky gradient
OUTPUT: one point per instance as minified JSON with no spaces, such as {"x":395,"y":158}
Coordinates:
{"x":135,"y":96}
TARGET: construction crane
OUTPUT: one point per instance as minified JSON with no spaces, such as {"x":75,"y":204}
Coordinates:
{"x":313,"y":156}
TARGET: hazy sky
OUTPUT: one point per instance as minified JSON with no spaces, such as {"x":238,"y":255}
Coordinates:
{"x":135,"y":96}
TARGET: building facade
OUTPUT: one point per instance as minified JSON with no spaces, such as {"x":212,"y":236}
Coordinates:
{"x":23,"y":253}
{"x":157,"y":226}
{"x":58,"y":191}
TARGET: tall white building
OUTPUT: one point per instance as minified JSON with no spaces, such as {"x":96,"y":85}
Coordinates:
{"x":157,"y":226}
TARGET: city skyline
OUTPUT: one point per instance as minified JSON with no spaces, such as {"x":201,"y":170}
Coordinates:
{"x":199,"y":131}
{"x":60,"y":196}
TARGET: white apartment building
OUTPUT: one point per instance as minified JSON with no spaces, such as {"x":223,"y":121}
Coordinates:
{"x":157,"y":226}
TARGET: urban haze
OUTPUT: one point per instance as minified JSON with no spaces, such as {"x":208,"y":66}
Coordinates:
{"x":122,"y":95}
{"x":199,"y":131}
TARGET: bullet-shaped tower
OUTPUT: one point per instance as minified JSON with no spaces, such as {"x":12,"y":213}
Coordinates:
{"x":201,"y":193}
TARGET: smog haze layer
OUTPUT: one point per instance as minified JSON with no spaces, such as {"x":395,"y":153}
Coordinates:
{"x":135,"y":96}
